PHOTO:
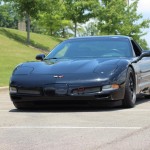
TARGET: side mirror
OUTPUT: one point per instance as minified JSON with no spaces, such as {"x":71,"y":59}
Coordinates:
{"x":40,"y":57}
{"x":144,"y":54}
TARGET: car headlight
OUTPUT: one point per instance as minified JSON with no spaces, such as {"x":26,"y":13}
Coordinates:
{"x":110,"y":87}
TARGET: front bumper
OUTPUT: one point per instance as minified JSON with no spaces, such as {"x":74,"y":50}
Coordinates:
{"x":60,"y":92}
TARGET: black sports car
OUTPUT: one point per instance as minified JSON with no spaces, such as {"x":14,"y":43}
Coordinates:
{"x":84,"y":70}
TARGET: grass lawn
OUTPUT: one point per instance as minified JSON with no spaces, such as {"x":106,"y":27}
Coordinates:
{"x":13,"y":50}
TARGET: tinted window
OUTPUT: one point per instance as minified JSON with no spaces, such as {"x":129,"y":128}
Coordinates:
{"x":111,"y":47}
{"x":136,"y":48}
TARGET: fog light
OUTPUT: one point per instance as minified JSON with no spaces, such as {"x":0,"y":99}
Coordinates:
{"x":13,"y":90}
{"x":110,"y":87}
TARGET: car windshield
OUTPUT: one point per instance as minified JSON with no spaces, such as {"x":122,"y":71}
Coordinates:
{"x":92,"y":47}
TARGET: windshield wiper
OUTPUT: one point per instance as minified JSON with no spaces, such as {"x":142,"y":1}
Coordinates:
{"x":51,"y":58}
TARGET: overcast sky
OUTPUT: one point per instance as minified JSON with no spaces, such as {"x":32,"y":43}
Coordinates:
{"x":144,"y":8}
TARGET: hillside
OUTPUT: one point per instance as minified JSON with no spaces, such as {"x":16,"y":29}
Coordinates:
{"x":13,"y":50}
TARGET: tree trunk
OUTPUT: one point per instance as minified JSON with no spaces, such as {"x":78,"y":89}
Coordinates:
{"x":75,"y":29}
{"x":51,"y":32}
{"x":63,"y":33}
{"x":28,"y":29}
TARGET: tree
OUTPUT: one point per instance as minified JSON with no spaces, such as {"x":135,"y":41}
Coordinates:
{"x":90,"y":29}
{"x":53,"y":18}
{"x":80,"y":11}
{"x":8,"y":17}
{"x":28,"y":9}
{"x":116,"y":17}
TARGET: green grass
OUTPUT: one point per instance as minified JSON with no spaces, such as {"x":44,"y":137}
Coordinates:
{"x":13,"y":50}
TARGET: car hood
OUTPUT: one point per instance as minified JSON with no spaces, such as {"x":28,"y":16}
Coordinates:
{"x":66,"y":66}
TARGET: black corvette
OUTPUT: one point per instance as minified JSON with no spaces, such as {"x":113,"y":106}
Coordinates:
{"x":84,"y":70}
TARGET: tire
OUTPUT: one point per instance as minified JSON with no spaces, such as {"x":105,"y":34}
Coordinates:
{"x":130,"y":90}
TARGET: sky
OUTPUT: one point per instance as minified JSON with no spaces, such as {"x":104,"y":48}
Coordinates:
{"x":144,"y":9}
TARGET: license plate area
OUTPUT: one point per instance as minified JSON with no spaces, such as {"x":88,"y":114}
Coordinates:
{"x":56,"y":89}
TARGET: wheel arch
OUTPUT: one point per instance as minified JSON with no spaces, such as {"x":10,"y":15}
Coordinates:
{"x":135,"y":78}
{"x":130,"y":88}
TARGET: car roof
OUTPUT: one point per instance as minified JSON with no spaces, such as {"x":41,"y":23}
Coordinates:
{"x":104,"y":36}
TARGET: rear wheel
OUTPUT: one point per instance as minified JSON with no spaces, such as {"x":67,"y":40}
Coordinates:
{"x":130,"y":93}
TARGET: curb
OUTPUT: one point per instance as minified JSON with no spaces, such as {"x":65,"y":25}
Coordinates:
{"x":4,"y":88}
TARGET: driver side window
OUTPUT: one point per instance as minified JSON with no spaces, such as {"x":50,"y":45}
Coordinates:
{"x":137,"y":49}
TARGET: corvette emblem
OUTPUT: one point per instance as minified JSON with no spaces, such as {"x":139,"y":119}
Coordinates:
{"x":58,"y":76}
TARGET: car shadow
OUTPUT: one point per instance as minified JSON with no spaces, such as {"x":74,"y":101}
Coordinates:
{"x":140,"y":100}
{"x":65,"y":109}
{"x":77,"y":108}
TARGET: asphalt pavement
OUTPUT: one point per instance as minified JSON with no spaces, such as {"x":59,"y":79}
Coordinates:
{"x":74,"y":128}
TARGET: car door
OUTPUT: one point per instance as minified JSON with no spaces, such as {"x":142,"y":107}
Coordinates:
{"x":143,"y":66}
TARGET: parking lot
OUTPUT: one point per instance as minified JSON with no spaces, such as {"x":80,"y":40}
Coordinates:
{"x":74,"y":128}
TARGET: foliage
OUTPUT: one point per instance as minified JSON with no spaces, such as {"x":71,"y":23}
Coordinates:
{"x":64,"y":17}
{"x":53,"y":18}
{"x":80,"y":11}
{"x":8,"y":17}
{"x":90,"y":29}
{"x":28,"y":9}
{"x":116,"y":17}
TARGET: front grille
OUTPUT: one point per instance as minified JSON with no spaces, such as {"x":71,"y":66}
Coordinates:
{"x":103,"y":97}
{"x":29,"y":91}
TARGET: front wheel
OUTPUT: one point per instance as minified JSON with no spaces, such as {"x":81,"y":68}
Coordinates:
{"x":130,"y":92}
